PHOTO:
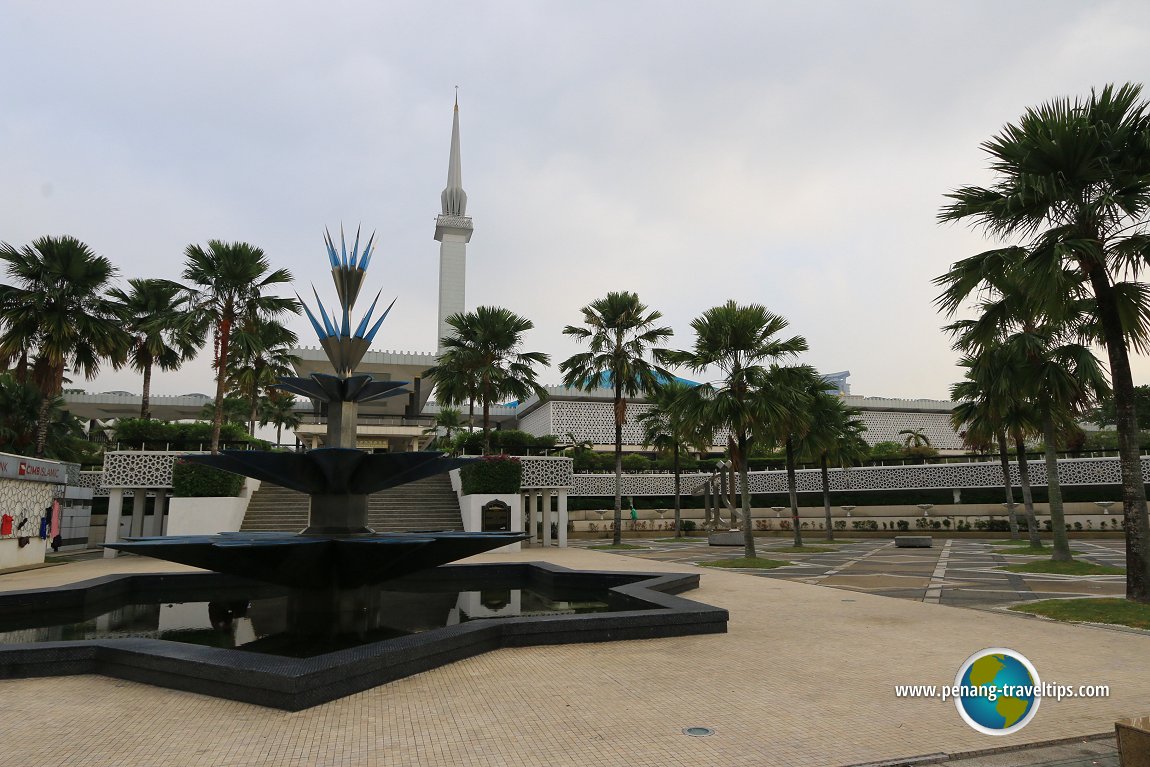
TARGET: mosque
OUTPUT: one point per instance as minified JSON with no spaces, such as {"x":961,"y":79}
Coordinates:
{"x":399,"y":423}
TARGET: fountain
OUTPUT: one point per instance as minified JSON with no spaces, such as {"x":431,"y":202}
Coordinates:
{"x":291,"y":620}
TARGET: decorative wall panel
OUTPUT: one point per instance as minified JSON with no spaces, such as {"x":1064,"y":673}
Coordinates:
{"x":541,"y":472}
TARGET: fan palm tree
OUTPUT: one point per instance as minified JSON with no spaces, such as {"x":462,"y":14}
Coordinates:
{"x":1072,"y":185}
{"x":230,"y":280}
{"x":456,"y":383}
{"x":448,"y":420}
{"x":621,"y":332}
{"x":486,"y":347}
{"x":834,"y":435}
{"x":153,"y":311}
{"x":667,"y":428}
{"x":797,"y":388}
{"x":260,"y":353}
{"x":56,"y":313}
{"x":278,"y":408}
{"x":738,"y":341}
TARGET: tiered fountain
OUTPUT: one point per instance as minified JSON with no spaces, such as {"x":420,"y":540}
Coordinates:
{"x":337,"y":549}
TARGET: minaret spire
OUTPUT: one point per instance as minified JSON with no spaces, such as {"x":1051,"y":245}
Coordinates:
{"x":454,"y":199}
{"x":453,"y":230}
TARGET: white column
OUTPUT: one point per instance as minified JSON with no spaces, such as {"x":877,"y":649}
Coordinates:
{"x":157,"y":525}
{"x":115,"y":509}
{"x":562,"y":502}
{"x":139,"y":501}
{"x":545,"y":502}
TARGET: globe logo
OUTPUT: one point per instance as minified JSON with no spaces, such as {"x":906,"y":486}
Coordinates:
{"x":1000,"y":691}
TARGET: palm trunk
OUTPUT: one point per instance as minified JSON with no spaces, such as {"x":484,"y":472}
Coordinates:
{"x":1027,"y":498}
{"x":221,"y":375}
{"x":146,"y":394}
{"x":1004,"y":457}
{"x":1061,"y":551}
{"x":744,"y":480}
{"x":827,"y":497}
{"x":618,"y":537}
{"x":793,"y":492}
{"x":678,"y":492}
{"x":44,"y":416}
{"x":254,"y":410}
{"x":279,"y":433}
{"x":1129,"y":454}
{"x":486,"y":428}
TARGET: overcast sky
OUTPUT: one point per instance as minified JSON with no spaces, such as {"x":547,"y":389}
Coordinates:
{"x":790,"y":154}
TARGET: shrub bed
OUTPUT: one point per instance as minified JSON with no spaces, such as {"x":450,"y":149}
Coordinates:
{"x":192,"y":480}
{"x":492,"y":474}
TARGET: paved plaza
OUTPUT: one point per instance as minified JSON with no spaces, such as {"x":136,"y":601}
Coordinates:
{"x":805,"y":676}
{"x":964,"y":573}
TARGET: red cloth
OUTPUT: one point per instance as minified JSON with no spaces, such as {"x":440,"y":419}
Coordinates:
{"x":6,"y":524}
{"x":55,"y":519}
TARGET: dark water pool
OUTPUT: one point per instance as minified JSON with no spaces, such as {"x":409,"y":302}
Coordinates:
{"x":301,"y":623}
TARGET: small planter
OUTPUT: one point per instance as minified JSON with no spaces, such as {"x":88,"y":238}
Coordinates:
{"x":1133,"y":741}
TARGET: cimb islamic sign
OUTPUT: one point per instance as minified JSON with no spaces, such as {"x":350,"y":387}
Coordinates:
{"x":31,"y":469}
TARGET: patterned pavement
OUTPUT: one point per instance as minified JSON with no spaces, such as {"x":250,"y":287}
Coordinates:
{"x":962,"y":573}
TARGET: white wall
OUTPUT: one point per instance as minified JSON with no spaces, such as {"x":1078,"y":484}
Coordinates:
{"x":472,"y":510}
{"x":208,"y":516}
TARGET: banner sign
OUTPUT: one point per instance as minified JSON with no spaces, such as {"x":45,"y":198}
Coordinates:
{"x":32,"y":469}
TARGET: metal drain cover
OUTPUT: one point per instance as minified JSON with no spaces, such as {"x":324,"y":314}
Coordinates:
{"x":698,"y":732}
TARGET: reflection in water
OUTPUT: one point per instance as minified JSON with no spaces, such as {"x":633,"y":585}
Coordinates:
{"x":302,"y":623}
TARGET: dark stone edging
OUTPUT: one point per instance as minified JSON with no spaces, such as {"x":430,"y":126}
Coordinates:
{"x":298,"y":683}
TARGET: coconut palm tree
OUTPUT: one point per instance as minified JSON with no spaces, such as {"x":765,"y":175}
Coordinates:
{"x":230,"y":280}
{"x":260,"y":353}
{"x":738,"y":341}
{"x":1072,"y":186}
{"x":486,"y":347}
{"x":56,"y":313}
{"x":621,"y":333}
{"x":667,"y":428}
{"x":153,"y":312}
{"x":835,"y":435}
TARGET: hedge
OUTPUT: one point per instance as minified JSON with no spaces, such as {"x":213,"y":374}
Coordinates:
{"x":161,"y":435}
{"x":193,"y":480}
{"x":491,"y":475}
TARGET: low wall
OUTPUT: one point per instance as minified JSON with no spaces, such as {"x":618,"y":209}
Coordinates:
{"x":208,"y":516}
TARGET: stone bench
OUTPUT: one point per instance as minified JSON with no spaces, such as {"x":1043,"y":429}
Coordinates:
{"x":732,"y":538}
{"x":913,"y":541}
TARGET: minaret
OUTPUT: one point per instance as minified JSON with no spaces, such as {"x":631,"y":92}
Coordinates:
{"x":453,"y":231}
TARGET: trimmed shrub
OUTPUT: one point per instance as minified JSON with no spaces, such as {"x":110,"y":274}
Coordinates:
{"x":192,"y":480}
{"x":492,"y":474}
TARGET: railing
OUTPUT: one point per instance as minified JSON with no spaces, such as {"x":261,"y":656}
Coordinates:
{"x":372,"y":420}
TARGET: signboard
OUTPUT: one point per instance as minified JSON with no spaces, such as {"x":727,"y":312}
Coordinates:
{"x":32,"y":469}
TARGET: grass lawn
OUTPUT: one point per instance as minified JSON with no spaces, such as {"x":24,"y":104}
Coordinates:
{"x":1109,"y":610}
{"x":1076,"y":567}
{"x":620,"y":547}
{"x":1043,"y":551}
{"x":1023,"y":541}
{"x":757,"y":563}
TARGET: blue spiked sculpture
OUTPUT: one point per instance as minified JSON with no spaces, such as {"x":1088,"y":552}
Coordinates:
{"x":337,"y":549}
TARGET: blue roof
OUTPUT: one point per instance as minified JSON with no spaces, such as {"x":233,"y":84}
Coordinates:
{"x":605,"y":380}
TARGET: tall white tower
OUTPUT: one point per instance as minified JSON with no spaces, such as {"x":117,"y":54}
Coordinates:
{"x":453,"y":231}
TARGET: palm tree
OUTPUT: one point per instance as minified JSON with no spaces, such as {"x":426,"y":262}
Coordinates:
{"x":834,"y":435}
{"x":738,"y":340}
{"x":978,"y":416}
{"x":486,"y":347}
{"x":260,"y":353}
{"x":1072,"y":184}
{"x":57,"y":314}
{"x":914,"y":438}
{"x":448,"y":420}
{"x":621,"y":332}
{"x":153,"y":311}
{"x":456,"y":383}
{"x":278,"y":408}
{"x":667,"y":428}
{"x":796,"y":388}
{"x":230,"y":280}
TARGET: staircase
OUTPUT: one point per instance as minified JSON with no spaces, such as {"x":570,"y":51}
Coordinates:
{"x":426,"y":504}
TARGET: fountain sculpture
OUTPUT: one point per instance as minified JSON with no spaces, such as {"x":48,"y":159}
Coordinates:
{"x":337,"y":549}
